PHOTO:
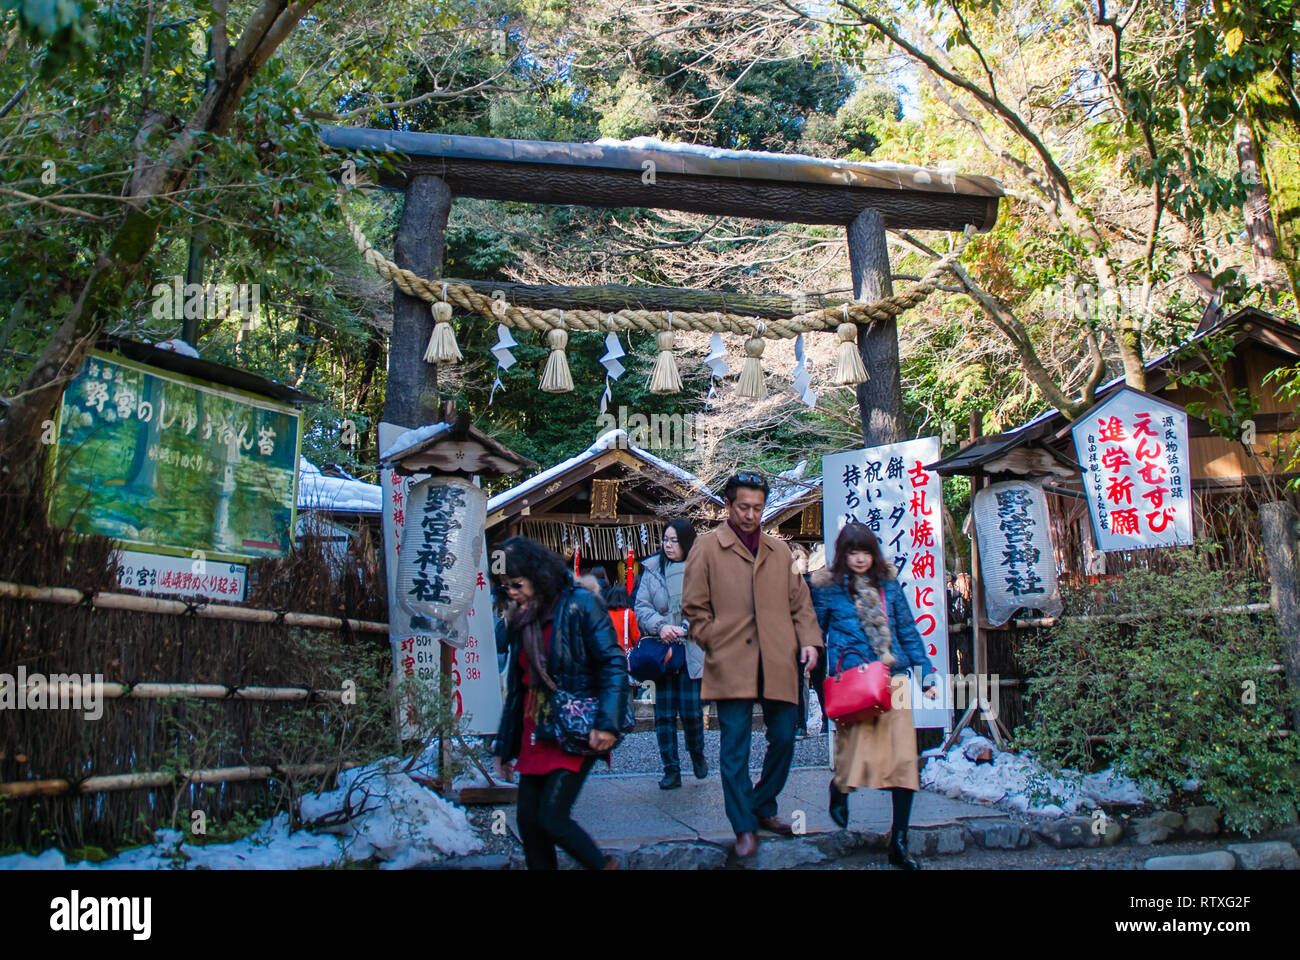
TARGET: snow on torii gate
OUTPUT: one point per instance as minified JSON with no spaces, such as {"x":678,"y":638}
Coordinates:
{"x":866,"y":198}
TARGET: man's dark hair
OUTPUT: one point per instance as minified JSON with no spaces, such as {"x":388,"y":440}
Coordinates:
{"x":751,"y":480}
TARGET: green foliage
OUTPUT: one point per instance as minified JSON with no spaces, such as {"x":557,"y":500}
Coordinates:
{"x":59,"y":25}
{"x":1170,"y":695}
{"x":91,"y":854}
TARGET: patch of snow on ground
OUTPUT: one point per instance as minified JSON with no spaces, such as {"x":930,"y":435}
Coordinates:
{"x":1019,"y":783}
{"x":394,"y":820}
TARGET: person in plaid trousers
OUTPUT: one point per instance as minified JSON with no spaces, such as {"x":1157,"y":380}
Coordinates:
{"x":659,"y":611}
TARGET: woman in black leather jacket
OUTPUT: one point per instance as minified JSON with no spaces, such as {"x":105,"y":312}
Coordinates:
{"x":561,"y":638}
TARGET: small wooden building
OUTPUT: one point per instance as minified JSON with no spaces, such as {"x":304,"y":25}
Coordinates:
{"x":611,"y":496}
{"x":1224,"y":474}
{"x":1226,"y":480}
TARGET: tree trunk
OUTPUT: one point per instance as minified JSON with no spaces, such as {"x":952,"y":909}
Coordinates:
{"x":374,"y":350}
{"x":1281,"y":534}
{"x":411,"y":399}
{"x":115,"y":269}
{"x":1264,"y":248}
{"x":880,"y":399}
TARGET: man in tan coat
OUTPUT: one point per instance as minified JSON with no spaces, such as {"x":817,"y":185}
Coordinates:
{"x":752,"y":614}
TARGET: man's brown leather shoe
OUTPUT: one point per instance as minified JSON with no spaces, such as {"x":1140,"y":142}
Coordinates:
{"x":776,"y":825}
{"x":746,"y":844}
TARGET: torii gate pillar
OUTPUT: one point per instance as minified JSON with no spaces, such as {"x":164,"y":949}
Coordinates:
{"x":880,"y":399}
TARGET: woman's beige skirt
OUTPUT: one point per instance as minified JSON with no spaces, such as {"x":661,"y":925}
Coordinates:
{"x":880,"y":752}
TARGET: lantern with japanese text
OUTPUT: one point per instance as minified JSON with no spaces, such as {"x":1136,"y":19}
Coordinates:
{"x":442,"y":544}
{"x":1017,"y":565}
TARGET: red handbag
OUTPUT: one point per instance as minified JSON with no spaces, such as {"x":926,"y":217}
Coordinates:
{"x":859,"y":693}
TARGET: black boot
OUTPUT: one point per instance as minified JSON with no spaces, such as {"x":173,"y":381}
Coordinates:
{"x":839,"y":807}
{"x":898,"y":851}
{"x":672,"y":779}
{"x":902,"y":803}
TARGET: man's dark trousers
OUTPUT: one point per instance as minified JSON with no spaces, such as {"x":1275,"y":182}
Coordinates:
{"x":744,"y":801}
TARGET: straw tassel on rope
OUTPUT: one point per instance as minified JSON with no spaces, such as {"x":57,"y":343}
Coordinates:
{"x":849,"y":370}
{"x":665,"y":378}
{"x":556,"y":377}
{"x":751,"y":374}
{"x":442,"y":344}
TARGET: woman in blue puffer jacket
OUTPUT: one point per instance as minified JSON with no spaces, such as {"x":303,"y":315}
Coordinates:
{"x":865,"y":616}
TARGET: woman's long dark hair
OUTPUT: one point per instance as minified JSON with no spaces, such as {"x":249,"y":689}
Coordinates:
{"x":685,"y":538}
{"x":854,"y":537}
{"x":545,"y":568}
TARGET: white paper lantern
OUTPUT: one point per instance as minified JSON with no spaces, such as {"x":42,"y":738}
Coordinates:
{"x":1015,"y":544}
{"x":442,"y":544}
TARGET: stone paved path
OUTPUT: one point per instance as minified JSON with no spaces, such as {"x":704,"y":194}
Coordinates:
{"x":629,"y":811}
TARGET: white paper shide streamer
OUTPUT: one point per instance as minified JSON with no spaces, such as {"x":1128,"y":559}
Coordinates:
{"x":613,"y":369}
{"x":505,"y":359}
{"x":800,"y":375}
{"x":716,"y":361}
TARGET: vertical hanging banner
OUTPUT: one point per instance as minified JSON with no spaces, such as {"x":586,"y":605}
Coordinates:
{"x":1136,"y":471}
{"x":1015,"y":546}
{"x":476,"y":689}
{"x":415,"y":650}
{"x":888,"y":489}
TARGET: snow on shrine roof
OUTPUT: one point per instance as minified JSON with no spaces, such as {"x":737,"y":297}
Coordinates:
{"x":411,"y":437}
{"x":678,"y":158}
{"x":789,"y":488}
{"x":337,"y":494}
{"x":870,"y":172}
{"x":605,"y":442}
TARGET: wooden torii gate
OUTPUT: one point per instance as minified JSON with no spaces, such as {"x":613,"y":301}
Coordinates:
{"x":866,"y":198}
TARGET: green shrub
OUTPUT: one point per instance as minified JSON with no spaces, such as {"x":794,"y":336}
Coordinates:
{"x":1169,"y":695}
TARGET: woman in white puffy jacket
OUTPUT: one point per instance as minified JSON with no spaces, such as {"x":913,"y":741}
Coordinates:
{"x":658,"y":609}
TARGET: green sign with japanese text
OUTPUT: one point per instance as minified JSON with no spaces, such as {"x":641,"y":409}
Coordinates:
{"x":159,"y":460}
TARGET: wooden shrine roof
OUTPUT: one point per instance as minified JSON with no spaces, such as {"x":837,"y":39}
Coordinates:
{"x":535,"y":495}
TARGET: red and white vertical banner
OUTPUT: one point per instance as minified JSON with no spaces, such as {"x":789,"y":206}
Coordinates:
{"x":415,"y":652}
{"x":888,"y":489}
{"x":475,"y":684}
{"x":1137,"y":476}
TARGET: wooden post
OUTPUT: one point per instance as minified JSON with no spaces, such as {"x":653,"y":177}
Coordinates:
{"x":880,"y":399}
{"x":1281,"y":528}
{"x":411,"y":399}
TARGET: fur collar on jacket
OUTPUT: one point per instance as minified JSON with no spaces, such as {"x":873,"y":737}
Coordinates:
{"x":870,"y":611}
